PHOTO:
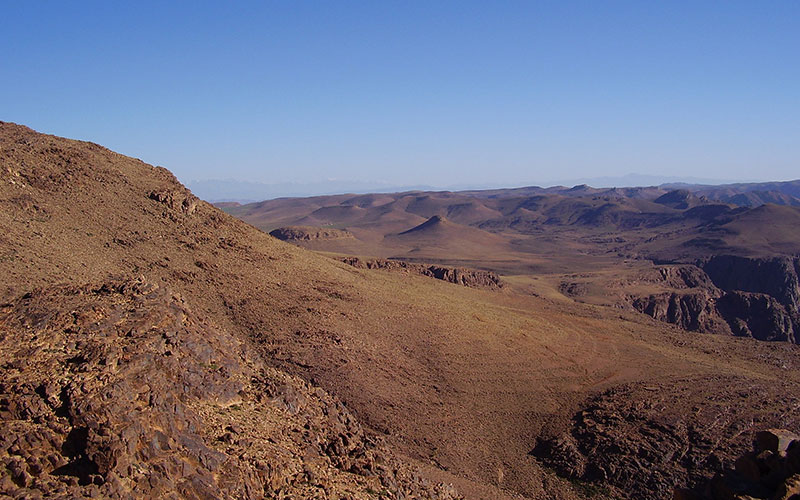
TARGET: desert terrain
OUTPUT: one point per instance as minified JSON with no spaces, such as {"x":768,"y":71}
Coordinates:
{"x":719,"y":259}
{"x":564,"y":343}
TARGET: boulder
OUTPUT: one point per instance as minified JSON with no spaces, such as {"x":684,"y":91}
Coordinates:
{"x":775,"y":440}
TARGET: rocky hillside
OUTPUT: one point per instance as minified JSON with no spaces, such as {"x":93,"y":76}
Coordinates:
{"x":124,"y":374}
{"x":770,"y":470}
{"x":637,"y":438}
{"x":118,"y":390}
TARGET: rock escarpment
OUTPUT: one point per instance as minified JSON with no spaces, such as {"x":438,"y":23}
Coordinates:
{"x":694,"y":310}
{"x":777,"y":277}
{"x":473,"y":278}
{"x":683,"y":277}
{"x":730,"y":295}
{"x":760,"y":316}
{"x":308,"y":233}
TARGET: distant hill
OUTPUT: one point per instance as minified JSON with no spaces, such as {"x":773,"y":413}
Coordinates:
{"x":684,"y":223}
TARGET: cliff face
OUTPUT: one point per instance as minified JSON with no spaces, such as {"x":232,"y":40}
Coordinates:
{"x":683,"y":277}
{"x":777,"y":277}
{"x":694,"y":310}
{"x":755,"y":298}
{"x":760,"y":316}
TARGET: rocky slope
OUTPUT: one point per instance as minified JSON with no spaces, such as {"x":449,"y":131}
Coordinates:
{"x":636,"y":438}
{"x":117,"y":385}
{"x":771,"y":470}
{"x":118,"y":390}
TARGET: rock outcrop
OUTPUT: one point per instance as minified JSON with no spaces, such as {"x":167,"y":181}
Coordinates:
{"x":777,"y":277}
{"x":473,"y":278}
{"x":760,"y":316}
{"x":720,"y":304}
{"x":684,"y":276}
{"x":308,"y":233}
{"x":178,"y":200}
{"x":770,"y":471}
{"x":695,"y":310}
{"x":641,"y":441}
{"x":118,"y":390}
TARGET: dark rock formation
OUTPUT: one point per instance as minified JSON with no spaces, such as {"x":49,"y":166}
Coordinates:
{"x":573,"y":288}
{"x":308,"y":233}
{"x":644,"y":440}
{"x":694,"y":310}
{"x":473,"y":278}
{"x":777,"y":276}
{"x":759,"y":316}
{"x":744,"y":297}
{"x":771,"y":471}
{"x":684,"y":276}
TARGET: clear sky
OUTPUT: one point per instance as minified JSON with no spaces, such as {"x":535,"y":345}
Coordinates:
{"x":415,"y":92}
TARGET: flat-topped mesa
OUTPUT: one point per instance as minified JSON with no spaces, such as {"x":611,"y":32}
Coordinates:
{"x":310,"y":233}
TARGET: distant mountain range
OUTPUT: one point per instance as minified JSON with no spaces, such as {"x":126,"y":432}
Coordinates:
{"x":663,"y":222}
{"x":221,"y":190}
{"x":728,"y":241}
{"x":741,"y":194}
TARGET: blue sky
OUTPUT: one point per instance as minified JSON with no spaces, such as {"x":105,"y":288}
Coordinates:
{"x":409,"y":93}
